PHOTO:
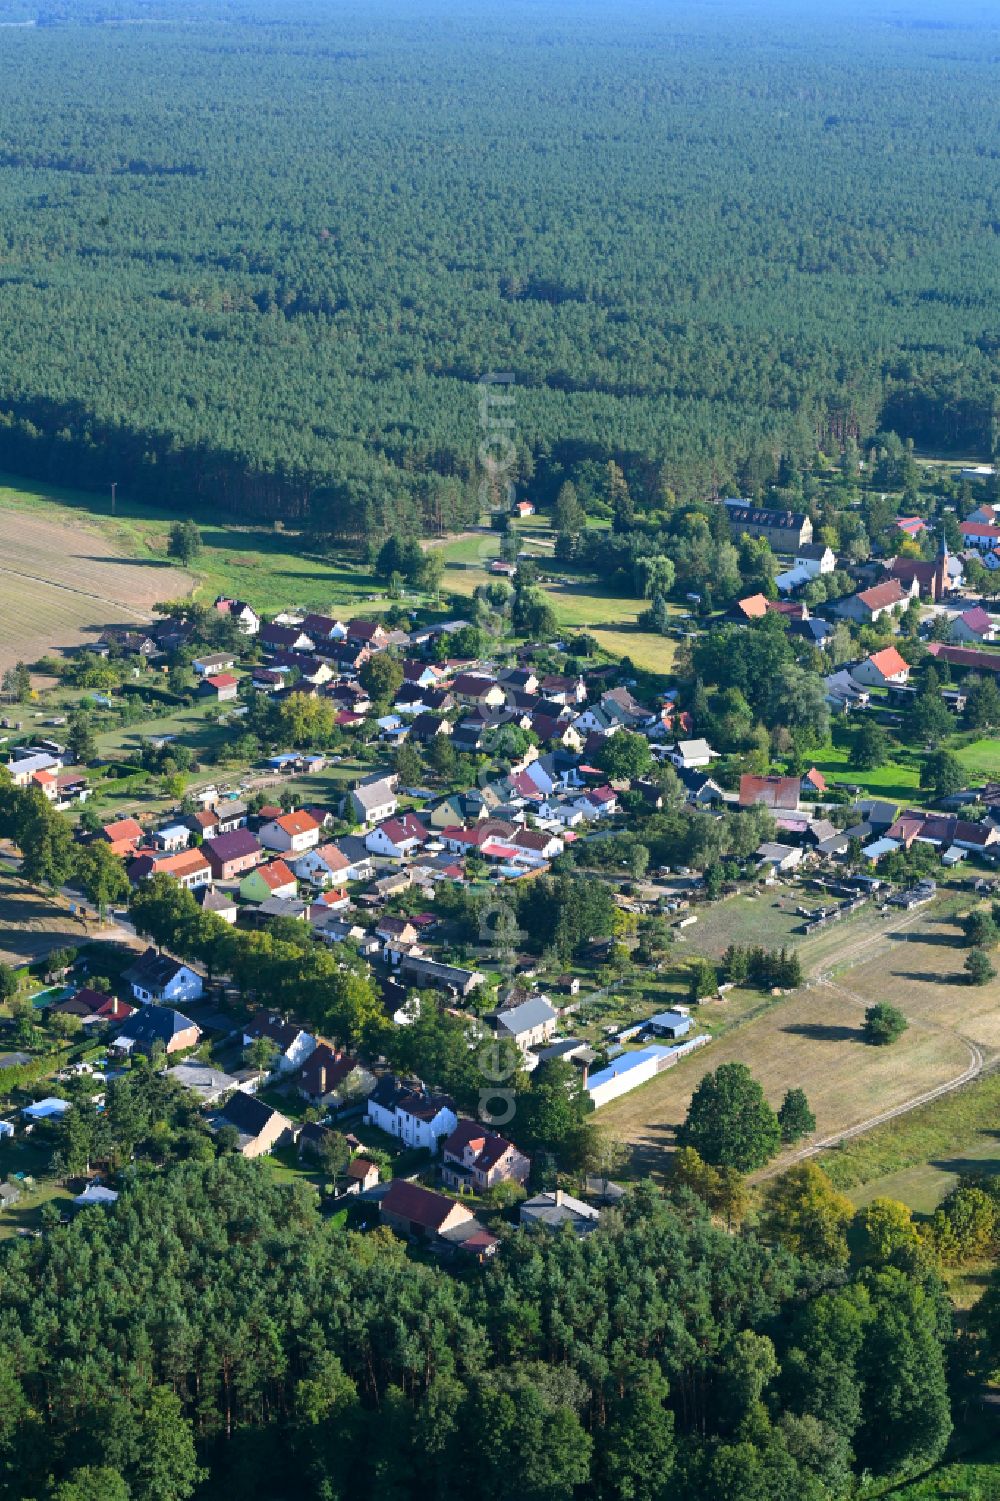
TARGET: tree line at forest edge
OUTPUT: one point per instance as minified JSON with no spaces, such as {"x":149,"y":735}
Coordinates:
{"x":262,"y":280}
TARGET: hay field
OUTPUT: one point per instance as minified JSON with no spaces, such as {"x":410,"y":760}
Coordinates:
{"x":813,"y":1038}
{"x":61,"y":584}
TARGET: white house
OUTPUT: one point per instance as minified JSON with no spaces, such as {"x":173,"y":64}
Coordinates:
{"x":982,"y":534}
{"x":973,"y":625}
{"x":397,"y":837}
{"x":563,"y":811}
{"x":779,"y":856}
{"x":245,"y":615}
{"x":294,"y":1045}
{"x":596,"y":720}
{"x":689,"y":754}
{"x":158,"y":977}
{"x":323,"y":865}
{"x":881,"y":669}
{"x":413,"y":1114}
{"x":373,"y":802}
{"x":529,"y":1025}
{"x":817,"y":558}
{"x":292,"y":833}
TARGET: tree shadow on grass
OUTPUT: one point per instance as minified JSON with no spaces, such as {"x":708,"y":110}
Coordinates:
{"x":127,"y":562}
{"x":927,"y":977}
{"x":649,"y":1157}
{"x":969,"y":1167}
{"x":824,"y":1031}
{"x":950,"y":940}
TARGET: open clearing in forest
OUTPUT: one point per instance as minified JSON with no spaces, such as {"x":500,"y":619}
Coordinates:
{"x":62,"y":583}
{"x":580,"y":604}
{"x":812,"y":1039}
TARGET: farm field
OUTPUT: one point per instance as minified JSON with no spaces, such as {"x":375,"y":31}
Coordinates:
{"x":812,"y":1039}
{"x":257,"y":562}
{"x":62,"y":583}
{"x":31,"y":925}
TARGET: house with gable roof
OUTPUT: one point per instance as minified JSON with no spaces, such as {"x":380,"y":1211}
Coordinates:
{"x":374,"y":801}
{"x":292,"y":833}
{"x":882,"y":599}
{"x":157,"y":977}
{"x":420,"y":1214}
{"x":974,"y":626}
{"x":882,"y":668}
{"x":398,"y":837}
{"x":779,"y":793}
{"x":416,"y":1115}
{"x":473,"y":1159}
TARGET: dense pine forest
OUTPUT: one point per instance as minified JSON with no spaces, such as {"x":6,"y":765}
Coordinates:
{"x":260,"y":256}
{"x":211,"y":1335}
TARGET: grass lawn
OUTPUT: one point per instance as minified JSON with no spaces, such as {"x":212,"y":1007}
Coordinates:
{"x":580,"y":603}
{"x":812,"y":1039}
{"x":975,"y":1479}
{"x":918,"y":1157}
{"x":194,"y":727}
{"x":31,"y":1156}
{"x":899,"y":780}
{"x":287,"y":1167}
{"x":771,"y":919}
{"x":980,"y":758}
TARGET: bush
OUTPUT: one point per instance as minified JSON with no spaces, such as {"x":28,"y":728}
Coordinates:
{"x":883,"y":1024}
{"x":978,"y":968}
{"x":980,"y":930}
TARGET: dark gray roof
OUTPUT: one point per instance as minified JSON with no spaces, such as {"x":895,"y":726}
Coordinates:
{"x":214,"y":900}
{"x":153,"y":970}
{"x":750,"y":515}
{"x":814,"y":550}
{"x":155,"y":1024}
{"x":248,"y":1114}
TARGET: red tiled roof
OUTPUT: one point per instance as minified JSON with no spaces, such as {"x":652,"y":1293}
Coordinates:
{"x":418,"y":1205}
{"x":122,"y":829}
{"x":977,"y":620}
{"x":773,"y":792}
{"x":184,"y":863}
{"x":889,"y":662}
{"x":883,"y":595}
{"x":300,"y":822}
{"x":966,"y":656}
{"x":979,"y":529}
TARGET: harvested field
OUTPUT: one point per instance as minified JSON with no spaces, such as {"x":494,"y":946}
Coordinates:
{"x":61,"y":585}
{"x":813,"y":1039}
{"x":31,"y":924}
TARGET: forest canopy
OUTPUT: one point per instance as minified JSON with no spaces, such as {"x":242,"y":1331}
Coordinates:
{"x":263,"y":258}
